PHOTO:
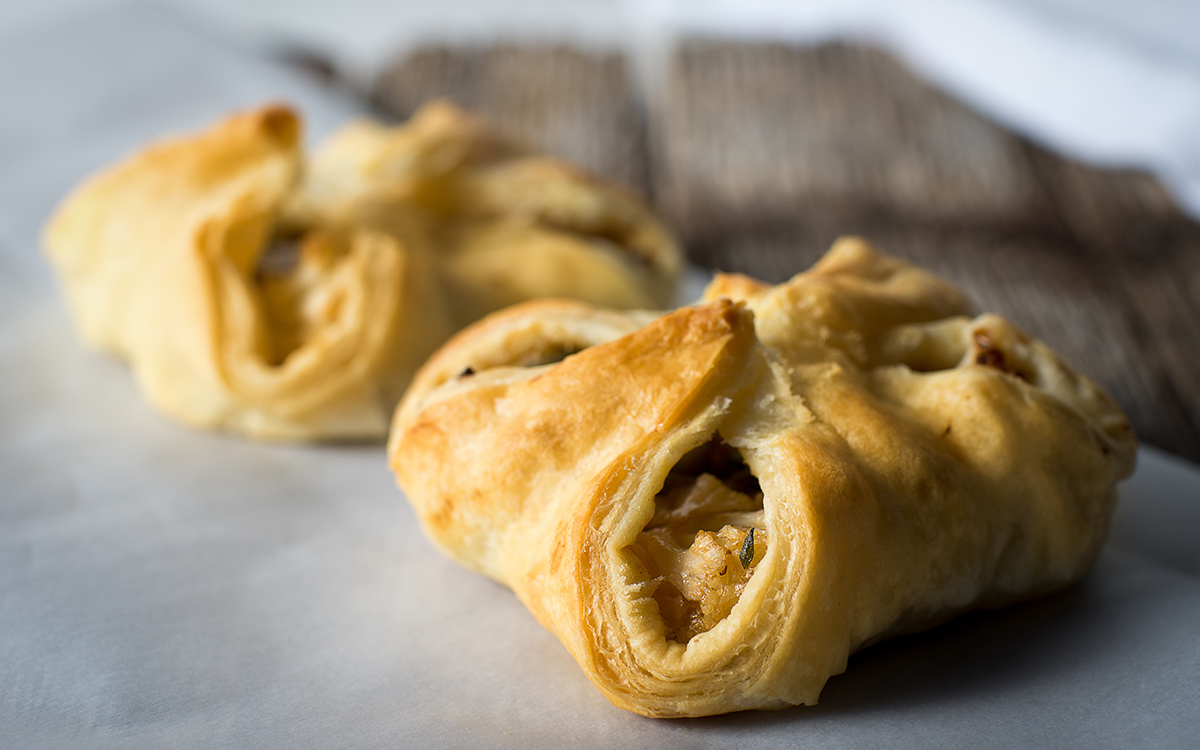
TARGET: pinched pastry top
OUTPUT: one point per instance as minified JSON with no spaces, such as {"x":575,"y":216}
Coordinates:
{"x":254,"y":291}
{"x":712,"y":510}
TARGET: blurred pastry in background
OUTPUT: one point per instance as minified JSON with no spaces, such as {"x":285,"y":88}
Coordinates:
{"x":261,"y":292}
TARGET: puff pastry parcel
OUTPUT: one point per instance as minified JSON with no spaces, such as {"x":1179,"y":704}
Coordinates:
{"x":714,"y":508}
{"x":261,"y":292}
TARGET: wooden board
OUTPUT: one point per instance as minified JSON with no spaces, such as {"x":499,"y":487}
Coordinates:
{"x":578,"y":105}
{"x":760,"y":155}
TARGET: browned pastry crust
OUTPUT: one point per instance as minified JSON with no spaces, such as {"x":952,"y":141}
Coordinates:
{"x":903,"y":462}
{"x":256,"y":291}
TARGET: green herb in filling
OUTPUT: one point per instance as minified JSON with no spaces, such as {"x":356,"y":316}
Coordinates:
{"x":747,"y":555}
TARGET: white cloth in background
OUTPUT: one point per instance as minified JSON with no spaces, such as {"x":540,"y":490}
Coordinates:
{"x":1113,"y":85}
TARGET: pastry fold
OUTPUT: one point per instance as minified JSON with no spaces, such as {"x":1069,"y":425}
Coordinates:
{"x":713,"y":509}
{"x":258,"y":291}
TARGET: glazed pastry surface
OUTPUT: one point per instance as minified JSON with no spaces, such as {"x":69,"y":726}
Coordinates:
{"x":257,"y":290}
{"x":714,"y":508}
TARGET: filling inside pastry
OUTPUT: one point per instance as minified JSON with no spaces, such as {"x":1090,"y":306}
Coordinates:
{"x":301,"y":291}
{"x":988,"y":353}
{"x":550,"y":353}
{"x":706,"y":536}
{"x":542,"y":352}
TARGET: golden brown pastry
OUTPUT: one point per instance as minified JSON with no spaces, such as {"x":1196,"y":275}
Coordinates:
{"x":254,"y":292}
{"x":715,"y":509}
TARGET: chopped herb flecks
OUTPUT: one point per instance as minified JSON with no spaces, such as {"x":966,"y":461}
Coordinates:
{"x":747,"y":554}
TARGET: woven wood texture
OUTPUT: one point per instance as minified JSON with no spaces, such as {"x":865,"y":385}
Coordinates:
{"x":760,"y":155}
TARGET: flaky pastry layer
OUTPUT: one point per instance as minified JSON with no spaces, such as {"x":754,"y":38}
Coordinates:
{"x":714,"y":509}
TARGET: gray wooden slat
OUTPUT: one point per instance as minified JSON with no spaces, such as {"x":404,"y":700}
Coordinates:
{"x":754,"y":135}
{"x":579,"y":105}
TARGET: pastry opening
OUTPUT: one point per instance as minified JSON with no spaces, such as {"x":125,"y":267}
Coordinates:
{"x":926,"y":362}
{"x":540,"y":353}
{"x":618,"y":240}
{"x":923,"y":347}
{"x":706,"y":537}
{"x":299,"y":292}
{"x":940,"y":345}
{"x":548,"y":353}
{"x":279,"y":258}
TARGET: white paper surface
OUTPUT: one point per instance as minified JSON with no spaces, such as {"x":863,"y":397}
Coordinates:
{"x":162,"y":587}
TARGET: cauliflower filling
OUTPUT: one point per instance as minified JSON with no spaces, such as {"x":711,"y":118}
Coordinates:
{"x":705,"y":538}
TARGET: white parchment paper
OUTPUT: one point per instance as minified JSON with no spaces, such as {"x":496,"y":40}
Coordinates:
{"x":161,"y":587}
